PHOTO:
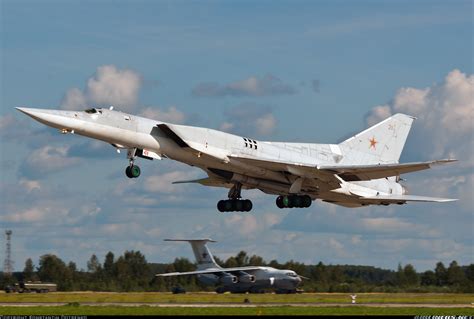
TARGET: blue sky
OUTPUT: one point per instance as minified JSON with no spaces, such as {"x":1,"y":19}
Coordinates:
{"x":319,"y":71}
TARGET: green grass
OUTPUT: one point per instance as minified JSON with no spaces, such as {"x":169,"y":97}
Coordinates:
{"x":157,"y":297}
{"x":145,"y":310}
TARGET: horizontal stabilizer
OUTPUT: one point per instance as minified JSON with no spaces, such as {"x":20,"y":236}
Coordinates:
{"x":367,"y":172}
{"x":207,"y":182}
{"x":202,"y":181}
{"x":406,"y":198}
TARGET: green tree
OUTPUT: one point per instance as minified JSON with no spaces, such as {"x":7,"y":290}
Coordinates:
{"x":52,"y":268}
{"x":29,"y":270}
{"x":428,"y":278}
{"x":93,"y":265}
{"x":218,"y":261}
{"x":242,"y":259}
{"x":411,"y":277}
{"x":109,"y":265}
{"x":274,"y":263}
{"x":470,"y":273}
{"x":441,"y":274}
{"x":400,"y":277}
{"x":132,"y":271}
{"x":455,"y":275}
{"x":256,"y":261}
{"x":231,"y":262}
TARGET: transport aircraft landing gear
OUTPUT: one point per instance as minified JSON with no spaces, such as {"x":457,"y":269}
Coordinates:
{"x":299,"y":201}
{"x":235,"y":203}
{"x":132,"y":170}
{"x":221,"y":290}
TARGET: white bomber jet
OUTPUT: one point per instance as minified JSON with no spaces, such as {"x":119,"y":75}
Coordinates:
{"x":237,"y":279}
{"x":363,"y":170}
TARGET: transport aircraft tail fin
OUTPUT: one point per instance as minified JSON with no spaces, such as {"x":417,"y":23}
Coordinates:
{"x":203,"y":255}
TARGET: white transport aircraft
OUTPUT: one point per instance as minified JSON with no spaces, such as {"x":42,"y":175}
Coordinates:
{"x":363,"y":170}
{"x":237,"y":279}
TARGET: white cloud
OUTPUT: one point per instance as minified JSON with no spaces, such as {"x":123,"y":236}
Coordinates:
{"x":251,"y":86}
{"x":30,"y":185}
{"x":48,"y":159}
{"x":266,"y":124}
{"x":378,"y":114}
{"x":6,"y":122}
{"x":29,"y":215}
{"x":108,"y":86}
{"x":226,"y":126}
{"x":171,"y":115}
{"x":445,"y":114}
{"x":74,"y":99}
{"x":249,"y":119}
{"x":444,"y":129}
{"x":163,"y":183}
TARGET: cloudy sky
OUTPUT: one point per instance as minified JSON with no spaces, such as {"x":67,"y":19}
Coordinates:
{"x":312,"y":71}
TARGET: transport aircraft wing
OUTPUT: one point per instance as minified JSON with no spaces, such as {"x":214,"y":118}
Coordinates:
{"x":215,"y":271}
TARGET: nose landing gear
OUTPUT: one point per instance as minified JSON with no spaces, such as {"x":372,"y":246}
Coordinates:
{"x":235,"y":203}
{"x":132,"y":171}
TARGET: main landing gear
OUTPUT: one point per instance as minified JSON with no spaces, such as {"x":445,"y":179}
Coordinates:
{"x":132,"y":170}
{"x":290,"y":201}
{"x":235,"y":203}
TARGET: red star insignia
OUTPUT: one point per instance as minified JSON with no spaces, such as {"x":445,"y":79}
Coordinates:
{"x":372,"y":142}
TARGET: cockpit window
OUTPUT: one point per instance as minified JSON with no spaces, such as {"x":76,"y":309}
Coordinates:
{"x":291,"y":274}
{"x":91,"y":111}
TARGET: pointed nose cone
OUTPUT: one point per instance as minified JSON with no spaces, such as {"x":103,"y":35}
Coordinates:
{"x":54,"y":118}
{"x":34,"y":113}
{"x":25,"y":110}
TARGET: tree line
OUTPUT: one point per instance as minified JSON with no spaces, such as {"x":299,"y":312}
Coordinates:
{"x":132,"y":272}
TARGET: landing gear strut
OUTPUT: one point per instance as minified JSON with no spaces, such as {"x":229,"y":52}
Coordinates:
{"x":300,"y":201}
{"x":132,"y":171}
{"x":235,"y":203}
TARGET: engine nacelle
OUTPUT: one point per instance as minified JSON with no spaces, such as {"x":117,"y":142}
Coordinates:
{"x":247,"y":278}
{"x":228,"y":280}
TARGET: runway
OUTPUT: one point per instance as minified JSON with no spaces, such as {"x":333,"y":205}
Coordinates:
{"x":236,"y":305}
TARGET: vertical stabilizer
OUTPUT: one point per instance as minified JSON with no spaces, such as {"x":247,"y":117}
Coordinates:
{"x":203,"y":255}
{"x":383,"y":142}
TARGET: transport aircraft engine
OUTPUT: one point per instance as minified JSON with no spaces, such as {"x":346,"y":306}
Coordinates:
{"x":229,"y":280}
{"x":247,"y":278}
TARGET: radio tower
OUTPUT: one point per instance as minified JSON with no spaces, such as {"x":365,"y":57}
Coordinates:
{"x":8,"y":265}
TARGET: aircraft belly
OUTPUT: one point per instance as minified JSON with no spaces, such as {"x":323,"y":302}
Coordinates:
{"x":116,"y":135}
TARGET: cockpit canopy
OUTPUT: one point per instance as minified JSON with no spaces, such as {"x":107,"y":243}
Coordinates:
{"x":92,"y":110}
{"x":291,"y":274}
